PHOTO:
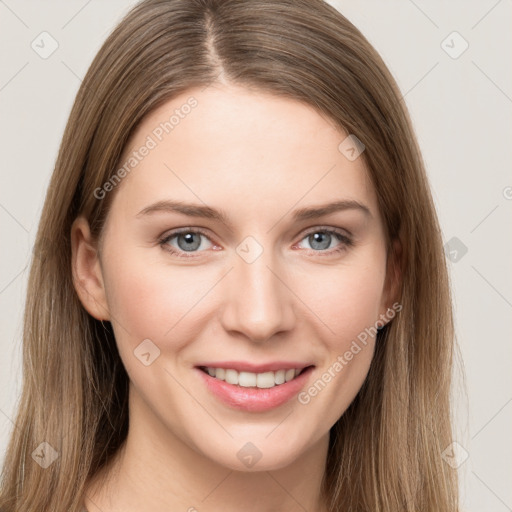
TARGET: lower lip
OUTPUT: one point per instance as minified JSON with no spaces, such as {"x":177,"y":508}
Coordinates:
{"x":255,"y":399}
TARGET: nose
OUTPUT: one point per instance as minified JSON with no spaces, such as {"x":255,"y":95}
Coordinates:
{"x":258,"y":302}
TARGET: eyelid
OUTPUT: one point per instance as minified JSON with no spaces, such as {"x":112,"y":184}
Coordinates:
{"x":330,"y":229}
{"x":166,"y":237}
{"x":344,"y":237}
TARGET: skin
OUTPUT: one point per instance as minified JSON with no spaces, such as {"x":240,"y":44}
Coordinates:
{"x":258,"y":157}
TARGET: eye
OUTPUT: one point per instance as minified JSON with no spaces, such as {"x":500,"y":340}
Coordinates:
{"x":185,"y":241}
{"x":324,"y":240}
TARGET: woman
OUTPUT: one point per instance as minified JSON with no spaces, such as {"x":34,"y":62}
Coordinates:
{"x":240,"y":298}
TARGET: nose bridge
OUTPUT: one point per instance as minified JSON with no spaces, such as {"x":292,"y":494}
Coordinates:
{"x":258,"y":303}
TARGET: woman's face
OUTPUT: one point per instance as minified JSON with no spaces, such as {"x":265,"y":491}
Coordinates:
{"x":272,"y":286}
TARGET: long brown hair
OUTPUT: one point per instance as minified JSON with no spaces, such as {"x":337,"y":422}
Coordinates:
{"x":385,"y":450}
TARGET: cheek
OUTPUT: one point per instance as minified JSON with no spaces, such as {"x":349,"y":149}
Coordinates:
{"x":148,"y":299}
{"x":346,"y":299}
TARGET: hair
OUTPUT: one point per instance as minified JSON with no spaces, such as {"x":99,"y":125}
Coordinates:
{"x":385,"y":450}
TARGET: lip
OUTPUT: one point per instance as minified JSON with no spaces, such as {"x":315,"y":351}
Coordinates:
{"x":253,"y":399}
{"x":245,"y":366}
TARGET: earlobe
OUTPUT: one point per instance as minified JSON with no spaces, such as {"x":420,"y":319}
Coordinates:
{"x":86,"y":270}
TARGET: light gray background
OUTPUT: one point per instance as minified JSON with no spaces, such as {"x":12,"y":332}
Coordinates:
{"x":461,"y":108}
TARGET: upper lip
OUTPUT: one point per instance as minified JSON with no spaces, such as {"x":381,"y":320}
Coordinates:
{"x":245,"y":366}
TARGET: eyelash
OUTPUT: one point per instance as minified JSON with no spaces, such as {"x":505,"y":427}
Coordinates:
{"x":345,"y":240}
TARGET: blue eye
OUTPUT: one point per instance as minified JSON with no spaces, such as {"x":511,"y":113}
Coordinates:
{"x":190,"y":241}
{"x":187,"y":241}
{"x":320,"y":240}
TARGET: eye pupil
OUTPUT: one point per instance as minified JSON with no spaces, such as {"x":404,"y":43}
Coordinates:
{"x":320,"y":239}
{"x":190,"y":245}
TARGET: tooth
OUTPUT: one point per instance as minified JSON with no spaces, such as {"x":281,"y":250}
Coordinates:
{"x":289,"y":375}
{"x":231,"y":377}
{"x":250,"y":379}
{"x":279,"y":376}
{"x":247,"y":379}
{"x":266,"y":380}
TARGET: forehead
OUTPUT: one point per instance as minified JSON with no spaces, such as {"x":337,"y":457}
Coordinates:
{"x":230,"y":146}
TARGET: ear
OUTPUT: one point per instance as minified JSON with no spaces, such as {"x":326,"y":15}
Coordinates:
{"x":393,"y":281}
{"x":86,"y":270}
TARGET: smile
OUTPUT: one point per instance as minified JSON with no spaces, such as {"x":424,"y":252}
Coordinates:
{"x":263,"y":380}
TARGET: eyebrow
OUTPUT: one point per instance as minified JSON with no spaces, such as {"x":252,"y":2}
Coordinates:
{"x":197,"y":210}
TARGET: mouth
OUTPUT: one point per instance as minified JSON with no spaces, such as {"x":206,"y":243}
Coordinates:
{"x":263,"y":380}
{"x":265,"y":388}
